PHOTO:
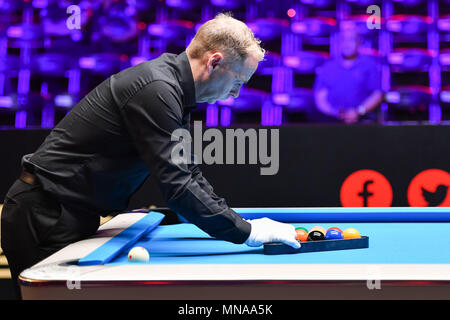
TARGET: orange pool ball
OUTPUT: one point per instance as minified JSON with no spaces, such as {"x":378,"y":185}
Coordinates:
{"x":351,"y":233}
{"x":302,"y":235}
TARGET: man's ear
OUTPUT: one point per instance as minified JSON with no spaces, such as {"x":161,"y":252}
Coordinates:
{"x":215,"y":60}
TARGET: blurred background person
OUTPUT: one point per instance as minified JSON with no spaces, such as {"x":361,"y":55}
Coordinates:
{"x":348,"y":87}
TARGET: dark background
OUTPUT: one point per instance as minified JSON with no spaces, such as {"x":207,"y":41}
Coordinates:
{"x":314,"y":162}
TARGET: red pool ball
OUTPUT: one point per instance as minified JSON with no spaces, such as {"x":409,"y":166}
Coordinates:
{"x":335,"y":228}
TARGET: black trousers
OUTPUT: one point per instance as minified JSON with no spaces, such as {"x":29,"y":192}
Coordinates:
{"x":35,"y":225}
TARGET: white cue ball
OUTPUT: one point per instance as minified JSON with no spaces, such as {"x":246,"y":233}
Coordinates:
{"x":138,"y":254}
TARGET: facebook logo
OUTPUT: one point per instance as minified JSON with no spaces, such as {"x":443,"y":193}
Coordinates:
{"x":365,"y":193}
{"x":366,"y":188}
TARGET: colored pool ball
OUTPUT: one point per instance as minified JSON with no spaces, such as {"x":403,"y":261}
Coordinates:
{"x":318,"y":228}
{"x":335,"y":228}
{"x":351,"y":233}
{"x":301,"y":228}
{"x":334,"y":235}
{"x":138,"y":254}
{"x":316,"y":235}
{"x":302,"y":235}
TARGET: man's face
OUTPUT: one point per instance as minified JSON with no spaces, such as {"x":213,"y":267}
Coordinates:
{"x":226,"y":79}
{"x":349,"y":43}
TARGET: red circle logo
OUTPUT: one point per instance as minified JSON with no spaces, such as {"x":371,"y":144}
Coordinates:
{"x":366,"y":188}
{"x":430,"y":189}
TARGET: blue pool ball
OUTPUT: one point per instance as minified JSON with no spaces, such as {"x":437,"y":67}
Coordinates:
{"x":333,"y":235}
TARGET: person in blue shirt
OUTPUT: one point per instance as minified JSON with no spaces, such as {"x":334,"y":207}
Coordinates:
{"x":348,"y":87}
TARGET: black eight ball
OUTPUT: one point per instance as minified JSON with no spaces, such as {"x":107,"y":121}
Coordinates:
{"x":316,"y":236}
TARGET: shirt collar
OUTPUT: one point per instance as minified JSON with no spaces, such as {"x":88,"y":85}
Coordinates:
{"x":186,"y":80}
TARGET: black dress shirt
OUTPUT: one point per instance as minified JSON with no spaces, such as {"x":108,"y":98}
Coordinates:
{"x":101,"y":152}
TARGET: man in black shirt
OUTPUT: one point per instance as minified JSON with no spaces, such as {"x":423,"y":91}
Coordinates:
{"x":120,"y":134}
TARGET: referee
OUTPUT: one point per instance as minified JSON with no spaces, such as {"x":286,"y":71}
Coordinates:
{"x":117,"y":136}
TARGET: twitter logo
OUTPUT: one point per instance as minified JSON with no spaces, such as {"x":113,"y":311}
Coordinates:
{"x":437,"y":197}
{"x":430,"y":188}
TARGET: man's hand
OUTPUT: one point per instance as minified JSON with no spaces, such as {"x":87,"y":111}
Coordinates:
{"x":348,"y":115}
{"x":266,"y":230}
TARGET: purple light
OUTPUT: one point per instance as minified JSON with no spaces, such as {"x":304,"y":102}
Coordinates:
{"x":14,"y":32}
{"x":394,"y":26}
{"x":130,"y":11}
{"x":65,"y":101}
{"x":156,"y":30}
{"x":21,"y":119}
{"x":227,"y":102}
{"x":53,"y":28}
{"x":137,"y":60}
{"x":298,"y":27}
{"x":74,"y":81}
{"x":396,"y":58}
{"x":278,"y":115}
{"x":76,"y":35}
{"x":445,"y":96}
{"x":86,"y":62}
{"x":445,"y":59}
{"x":393,"y":97}
{"x":40,"y":4}
{"x":24,"y":81}
{"x":271,"y":115}
{"x":219,"y":3}
{"x":48,"y":117}
{"x":2,"y":83}
{"x":44,"y":89}
{"x":225,"y":116}
{"x":435,"y":114}
{"x":444,"y":24}
{"x":281,"y":99}
{"x":212,"y":115}
{"x":291,"y":61}
{"x":174,"y":3}
{"x":6,"y":102}
{"x":282,"y":80}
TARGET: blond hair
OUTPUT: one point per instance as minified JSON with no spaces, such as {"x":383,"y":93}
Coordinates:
{"x":227,"y":35}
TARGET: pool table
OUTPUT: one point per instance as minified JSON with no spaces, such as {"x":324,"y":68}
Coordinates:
{"x":408,"y":258}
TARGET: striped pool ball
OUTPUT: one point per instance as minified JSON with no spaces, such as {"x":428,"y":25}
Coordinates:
{"x":298,"y":228}
{"x":318,"y":228}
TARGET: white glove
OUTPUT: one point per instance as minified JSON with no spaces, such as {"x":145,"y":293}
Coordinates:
{"x":267,"y":230}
